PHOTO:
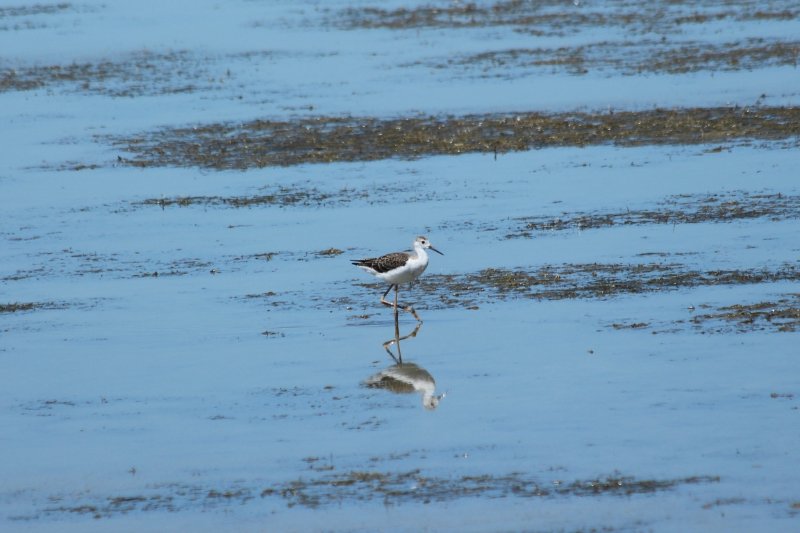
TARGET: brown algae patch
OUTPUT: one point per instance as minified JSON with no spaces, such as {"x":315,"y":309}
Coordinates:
{"x":648,"y":35}
{"x":414,"y":486}
{"x":323,"y":488}
{"x":16,"y":307}
{"x":780,"y":315}
{"x":262,"y":143}
{"x":589,"y":280}
{"x":281,"y":196}
{"x":680,"y":209}
{"x":34,"y":9}
{"x":330,"y":252}
{"x":453,"y":15}
{"x":301,"y":195}
{"x":137,"y":74}
{"x":634,"y":325}
{"x":746,"y":55}
{"x":31,"y":16}
{"x":628,"y":57}
{"x":74,"y":263}
{"x":553,"y":17}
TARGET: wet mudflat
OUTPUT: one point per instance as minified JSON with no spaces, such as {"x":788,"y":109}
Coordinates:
{"x":611,"y":336}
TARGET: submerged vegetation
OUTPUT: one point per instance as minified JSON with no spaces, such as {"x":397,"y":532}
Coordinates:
{"x":588,"y":280}
{"x":19,"y":306}
{"x":776,"y":316}
{"x":627,"y":57}
{"x":281,"y":196}
{"x":683,"y":209}
{"x":555,"y":17}
{"x":781,"y":315}
{"x":142,"y":73}
{"x":261,"y":143}
{"x":651,"y":35}
{"x":366,"y":486}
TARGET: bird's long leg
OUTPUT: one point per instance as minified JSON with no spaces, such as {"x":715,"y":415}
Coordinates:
{"x":383,"y":298}
{"x":399,"y":358}
{"x":395,"y":305}
{"x":397,"y":320}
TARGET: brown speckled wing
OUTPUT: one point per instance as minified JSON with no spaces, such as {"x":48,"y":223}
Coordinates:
{"x":384,"y":263}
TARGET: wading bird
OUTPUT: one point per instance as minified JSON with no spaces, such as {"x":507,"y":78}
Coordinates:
{"x":397,"y":268}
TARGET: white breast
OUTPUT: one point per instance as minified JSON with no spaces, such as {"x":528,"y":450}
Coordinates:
{"x":408,"y":273}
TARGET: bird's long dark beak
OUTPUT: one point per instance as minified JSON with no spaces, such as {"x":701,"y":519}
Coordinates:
{"x":437,"y":251}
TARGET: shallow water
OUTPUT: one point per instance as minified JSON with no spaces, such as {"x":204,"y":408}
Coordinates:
{"x":202,"y":366}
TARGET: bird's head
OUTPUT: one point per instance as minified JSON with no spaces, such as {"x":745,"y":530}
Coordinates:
{"x":425,"y":243}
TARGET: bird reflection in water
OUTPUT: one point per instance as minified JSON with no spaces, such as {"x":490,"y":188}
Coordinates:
{"x":404,"y":378}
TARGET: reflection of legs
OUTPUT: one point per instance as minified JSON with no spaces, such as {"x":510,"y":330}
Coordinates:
{"x":411,"y":310}
{"x":388,"y":344}
{"x":395,"y":305}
